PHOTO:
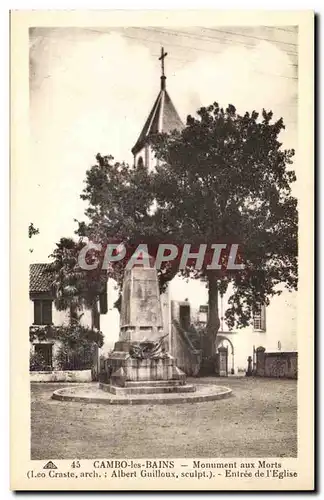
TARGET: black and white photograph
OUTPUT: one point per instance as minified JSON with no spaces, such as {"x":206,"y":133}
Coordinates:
{"x":165,"y":189}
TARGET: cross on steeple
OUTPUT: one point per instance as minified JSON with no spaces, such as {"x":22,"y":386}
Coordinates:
{"x":161,"y":58}
{"x":163,"y":77}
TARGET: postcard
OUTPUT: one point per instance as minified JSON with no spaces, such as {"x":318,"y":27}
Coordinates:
{"x":162,"y":196}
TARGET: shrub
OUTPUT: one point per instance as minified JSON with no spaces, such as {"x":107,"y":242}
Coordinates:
{"x":77,"y":357}
{"x":78,"y":347}
{"x":37,"y":362}
{"x":65,"y":333}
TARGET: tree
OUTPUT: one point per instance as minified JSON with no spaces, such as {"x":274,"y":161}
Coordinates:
{"x":225,"y":178}
{"x":120,"y":201}
{"x":74,"y":287}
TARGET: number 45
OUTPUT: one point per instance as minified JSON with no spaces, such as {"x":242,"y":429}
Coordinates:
{"x":76,"y":464}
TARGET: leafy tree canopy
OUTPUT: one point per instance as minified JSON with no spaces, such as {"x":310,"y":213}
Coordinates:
{"x":226,"y":178}
{"x":74,"y":287}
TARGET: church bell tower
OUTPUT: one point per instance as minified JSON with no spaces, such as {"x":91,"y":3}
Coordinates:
{"x":162,"y":118}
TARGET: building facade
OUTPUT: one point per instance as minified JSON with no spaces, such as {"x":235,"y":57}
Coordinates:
{"x":44,"y":314}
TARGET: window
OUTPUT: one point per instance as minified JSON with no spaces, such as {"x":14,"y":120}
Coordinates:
{"x":42,"y":312}
{"x":203,"y":314}
{"x":45,"y":352}
{"x":259,"y":319}
{"x":140,"y":162}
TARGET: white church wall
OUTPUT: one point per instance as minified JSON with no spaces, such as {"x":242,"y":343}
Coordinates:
{"x":151,"y":158}
{"x":281,"y":321}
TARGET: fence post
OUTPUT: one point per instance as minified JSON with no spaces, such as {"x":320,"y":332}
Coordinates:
{"x":254,"y":360}
{"x":260,"y":361}
{"x":223,"y":356}
{"x":249,"y":371}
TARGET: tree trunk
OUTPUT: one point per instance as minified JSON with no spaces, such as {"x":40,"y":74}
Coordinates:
{"x":95,"y":315}
{"x":73,"y":314}
{"x":213,"y":324}
{"x":95,"y":325}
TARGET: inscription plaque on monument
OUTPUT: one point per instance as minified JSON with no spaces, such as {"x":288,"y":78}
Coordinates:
{"x":141,"y":315}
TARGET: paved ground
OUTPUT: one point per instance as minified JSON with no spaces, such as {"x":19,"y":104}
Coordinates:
{"x":260,"y":419}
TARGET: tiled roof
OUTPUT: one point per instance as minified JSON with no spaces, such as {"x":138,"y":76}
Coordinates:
{"x":40,"y":279}
{"x":163,"y":118}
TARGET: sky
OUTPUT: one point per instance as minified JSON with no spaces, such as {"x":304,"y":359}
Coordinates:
{"x":91,"y":90}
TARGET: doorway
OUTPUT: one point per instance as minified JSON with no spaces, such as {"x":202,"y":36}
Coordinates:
{"x":184,"y":316}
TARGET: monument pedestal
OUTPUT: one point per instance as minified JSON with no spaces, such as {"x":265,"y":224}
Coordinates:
{"x":140,"y":363}
{"x":143,"y":376}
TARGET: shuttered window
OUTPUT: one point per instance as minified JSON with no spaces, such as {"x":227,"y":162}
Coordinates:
{"x":42,"y":312}
{"x":259,"y":319}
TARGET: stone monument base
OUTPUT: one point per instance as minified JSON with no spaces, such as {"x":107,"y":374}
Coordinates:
{"x":129,"y":375}
{"x":148,"y":387}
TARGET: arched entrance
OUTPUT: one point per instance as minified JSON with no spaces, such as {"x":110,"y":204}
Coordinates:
{"x":223,"y":341}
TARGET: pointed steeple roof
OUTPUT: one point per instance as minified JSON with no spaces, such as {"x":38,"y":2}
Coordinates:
{"x":163,"y":116}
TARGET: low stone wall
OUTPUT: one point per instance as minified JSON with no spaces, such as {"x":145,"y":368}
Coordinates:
{"x":62,"y":376}
{"x":276,"y":364}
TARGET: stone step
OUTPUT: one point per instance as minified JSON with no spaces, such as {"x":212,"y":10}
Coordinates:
{"x":166,"y":389}
{"x":154,"y":383}
{"x":82,"y":394}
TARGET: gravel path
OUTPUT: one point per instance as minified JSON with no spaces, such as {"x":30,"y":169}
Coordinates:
{"x":260,"y":419}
